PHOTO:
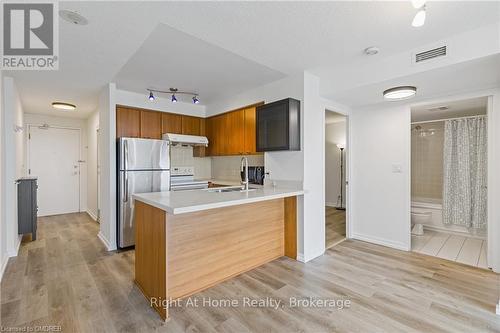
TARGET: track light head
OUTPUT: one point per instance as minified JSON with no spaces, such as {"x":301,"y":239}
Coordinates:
{"x":196,"y":100}
{"x":151,"y":96}
{"x":173,"y":99}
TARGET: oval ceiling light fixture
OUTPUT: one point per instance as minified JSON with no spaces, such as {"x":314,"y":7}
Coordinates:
{"x":372,"y":50}
{"x":63,"y":106}
{"x":73,"y":17}
{"x":419,"y":19}
{"x":399,"y":93}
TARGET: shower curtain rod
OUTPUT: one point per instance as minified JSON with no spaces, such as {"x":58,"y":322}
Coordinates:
{"x":438,"y":120}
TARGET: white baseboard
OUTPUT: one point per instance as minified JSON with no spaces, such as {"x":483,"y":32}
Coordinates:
{"x":331,"y":204}
{"x":302,"y":258}
{"x":381,"y":241}
{"x":15,"y":251}
{"x":4,"y":262}
{"x":106,"y":243}
{"x":92,"y":215}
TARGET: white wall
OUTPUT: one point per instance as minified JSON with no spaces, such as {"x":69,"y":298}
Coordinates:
{"x":380,"y":198}
{"x":107,"y":157}
{"x":12,"y":162}
{"x":81,"y":124}
{"x":3,"y":235}
{"x":335,"y":133}
{"x":92,"y":127}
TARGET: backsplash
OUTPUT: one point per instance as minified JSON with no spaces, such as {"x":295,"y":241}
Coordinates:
{"x":228,"y":167}
{"x":183,"y":156}
{"x":218,"y":167}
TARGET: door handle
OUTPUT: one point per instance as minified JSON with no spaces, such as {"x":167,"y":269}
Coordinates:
{"x":125,"y":197}
{"x":125,"y":153}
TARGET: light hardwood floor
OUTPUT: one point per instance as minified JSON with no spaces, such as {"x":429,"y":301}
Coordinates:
{"x":67,"y":278}
{"x":463,"y":249}
{"x":335,"y":226}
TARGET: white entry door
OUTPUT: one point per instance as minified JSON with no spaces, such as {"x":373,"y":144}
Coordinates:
{"x":53,"y":158}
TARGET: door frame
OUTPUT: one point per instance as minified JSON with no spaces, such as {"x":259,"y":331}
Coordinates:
{"x":347,"y":165}
{"x":493,"y":230}
{"x":28,"y":146}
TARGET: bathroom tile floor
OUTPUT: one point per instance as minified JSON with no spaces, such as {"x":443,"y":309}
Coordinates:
{"x":466,"y":250}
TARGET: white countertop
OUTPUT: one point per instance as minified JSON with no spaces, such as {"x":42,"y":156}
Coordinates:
{"x":180,"y":202}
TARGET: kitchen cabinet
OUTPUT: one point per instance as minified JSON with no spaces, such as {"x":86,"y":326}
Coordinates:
{"x":150,"y":124}
{"x":234,"y":131}
{"x":201,"y":151}
{"x":128,"y":122}
{"x":171,"y":123}
{"x":278,"y":125}
{"x":190,"y":125}
{"x":250,"y":143}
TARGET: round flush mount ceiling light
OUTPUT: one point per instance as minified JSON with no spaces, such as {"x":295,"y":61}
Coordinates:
{"x":372,"y":50}
{"x":73,"y":17}
{"x":399,"y":93}
{"x":63,"y":106}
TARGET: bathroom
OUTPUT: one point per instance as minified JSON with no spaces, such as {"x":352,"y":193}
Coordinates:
{"x":449,"y":180}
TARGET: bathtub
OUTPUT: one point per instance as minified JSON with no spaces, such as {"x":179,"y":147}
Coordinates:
{"x":435,"y":206}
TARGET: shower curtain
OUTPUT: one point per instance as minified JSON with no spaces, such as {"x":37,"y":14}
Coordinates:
{"x":464,"y":172}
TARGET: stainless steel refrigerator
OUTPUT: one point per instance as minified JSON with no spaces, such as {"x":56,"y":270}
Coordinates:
{"x":143,"y":166}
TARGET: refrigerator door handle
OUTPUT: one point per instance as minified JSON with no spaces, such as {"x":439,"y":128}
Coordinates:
{"x":125,"y":157}
{"x":125,"y":196}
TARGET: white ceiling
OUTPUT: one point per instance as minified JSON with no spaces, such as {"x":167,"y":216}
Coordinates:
{"x":462,"y":108}
{"x":483,"y":73}
{"x":170,"y":58}
{"x":259,"y":41}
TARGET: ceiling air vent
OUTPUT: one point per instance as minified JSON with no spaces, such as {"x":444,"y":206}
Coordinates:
{"x":430,"y":54}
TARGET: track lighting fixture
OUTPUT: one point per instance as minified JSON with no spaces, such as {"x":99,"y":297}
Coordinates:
{"x":173,"y":92}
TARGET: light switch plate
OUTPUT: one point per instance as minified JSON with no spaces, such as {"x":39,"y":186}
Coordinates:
{"x":397,"y":168}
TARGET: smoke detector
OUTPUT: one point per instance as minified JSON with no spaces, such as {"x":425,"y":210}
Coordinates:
{"x":372,"y":50}
{"x":73,"y":17}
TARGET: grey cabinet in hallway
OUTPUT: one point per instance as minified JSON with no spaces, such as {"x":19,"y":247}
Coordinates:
{"x":26,"y":206}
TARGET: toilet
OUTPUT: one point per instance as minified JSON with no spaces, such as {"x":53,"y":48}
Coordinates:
{"x":418,"y":219}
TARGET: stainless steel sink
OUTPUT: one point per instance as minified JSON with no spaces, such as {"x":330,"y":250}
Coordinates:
{"x":229,"y":189}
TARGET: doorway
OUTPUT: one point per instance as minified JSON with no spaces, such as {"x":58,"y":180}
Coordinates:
{"x":449,"y":143}
{"x":54,"y":157}
{"x":335,"y":178}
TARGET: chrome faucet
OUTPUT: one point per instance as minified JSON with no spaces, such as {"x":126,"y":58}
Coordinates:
{"x":244,"y":168}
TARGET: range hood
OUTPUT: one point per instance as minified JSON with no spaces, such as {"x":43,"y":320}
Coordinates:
{"x":188,"y":140}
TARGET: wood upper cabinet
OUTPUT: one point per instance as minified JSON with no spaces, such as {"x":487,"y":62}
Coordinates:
{"x":150,"y":124}
{"x":128,"y":122}
{"x":201,"y":151}
{"x":250,"y":130}
{"x":234,"y":130}
{"x":190,"y":125}
{"x":171,"y":123}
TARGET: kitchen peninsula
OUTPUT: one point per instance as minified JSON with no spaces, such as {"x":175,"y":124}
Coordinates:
{"x":188,"y":241}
